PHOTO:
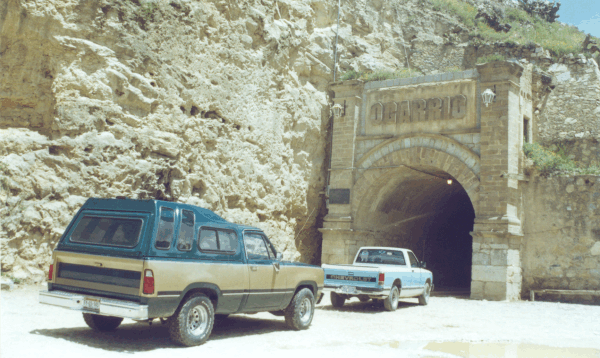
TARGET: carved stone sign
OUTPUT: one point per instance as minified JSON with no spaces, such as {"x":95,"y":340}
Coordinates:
{"x":419,"y":110}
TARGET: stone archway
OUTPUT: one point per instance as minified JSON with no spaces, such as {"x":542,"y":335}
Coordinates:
{"x":402,"y":199}
{"x":390,"y":136}
{"x":436,"y":151}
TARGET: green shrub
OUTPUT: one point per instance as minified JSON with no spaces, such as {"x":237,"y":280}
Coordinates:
{"x":13,"y":279}
{"x":148,"y":10}
{"x":452,"y":69}
{"x":466,"y":12}
{"x":541,"y":8}
{"x":490,"y":58}
{"x":351,"y":75}
{"x":559,"y":38}
{"x":548,"y":162}
{"x":379,"y":75}
{"x":517,"y":15}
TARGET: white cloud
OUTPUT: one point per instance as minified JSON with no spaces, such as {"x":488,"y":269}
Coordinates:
{"x":591,"y":26}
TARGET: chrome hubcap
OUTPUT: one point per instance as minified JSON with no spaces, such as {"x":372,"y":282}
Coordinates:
{"x":197,"y":321}
{"x":427,"y":292}
{"x":395,"y":298}
{"x":305,"y":310}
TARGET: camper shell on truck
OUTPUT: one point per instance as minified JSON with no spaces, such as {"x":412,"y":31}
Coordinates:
{"x":147,"y":259}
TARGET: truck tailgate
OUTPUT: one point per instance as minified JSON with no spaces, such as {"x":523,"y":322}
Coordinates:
{"x":95,"y":274}
{"x":350,"y":275}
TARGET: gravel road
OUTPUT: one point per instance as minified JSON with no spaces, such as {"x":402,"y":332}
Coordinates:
{"x":447,"y":327}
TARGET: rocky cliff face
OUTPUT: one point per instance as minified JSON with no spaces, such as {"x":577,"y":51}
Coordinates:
{"x":217,"y":103}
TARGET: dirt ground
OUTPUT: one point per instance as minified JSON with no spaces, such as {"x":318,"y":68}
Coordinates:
{"x":447,"y":327}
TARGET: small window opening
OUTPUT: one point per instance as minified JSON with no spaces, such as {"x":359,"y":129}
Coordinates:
{"x":526,"y":137}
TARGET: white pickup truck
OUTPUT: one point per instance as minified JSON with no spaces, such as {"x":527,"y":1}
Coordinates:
{"x":379,"y":273}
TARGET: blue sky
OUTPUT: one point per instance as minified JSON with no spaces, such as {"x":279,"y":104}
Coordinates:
{"x":585,"y":14}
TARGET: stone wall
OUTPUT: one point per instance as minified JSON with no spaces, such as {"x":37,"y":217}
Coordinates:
{"x":571,"y":112}
{"x":562,"y":234}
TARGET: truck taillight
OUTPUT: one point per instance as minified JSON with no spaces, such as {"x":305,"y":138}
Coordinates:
{"x":50,"y":272}
{"x":148,"y":282}
{"x":381,"y":278}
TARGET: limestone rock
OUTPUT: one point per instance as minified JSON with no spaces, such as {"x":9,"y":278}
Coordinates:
{"x":6,"y":283}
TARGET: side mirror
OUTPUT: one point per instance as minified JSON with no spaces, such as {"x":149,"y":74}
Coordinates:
{"x":279,"y":256}
{"x":423,"y":264}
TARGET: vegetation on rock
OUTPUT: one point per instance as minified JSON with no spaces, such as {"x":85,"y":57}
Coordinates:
{"x":379,"y":75}
{"x":548,"y":162}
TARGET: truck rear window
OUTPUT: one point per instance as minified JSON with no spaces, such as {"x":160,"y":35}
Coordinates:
{"x":106,"y":231}
{"x":379,"y":256}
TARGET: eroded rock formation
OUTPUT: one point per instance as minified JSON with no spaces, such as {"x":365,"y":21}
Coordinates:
{"x":222,"y":104}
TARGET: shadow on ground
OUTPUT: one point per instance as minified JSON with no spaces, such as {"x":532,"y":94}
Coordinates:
{"x":141,"y":337}
{"x":369,"y":307}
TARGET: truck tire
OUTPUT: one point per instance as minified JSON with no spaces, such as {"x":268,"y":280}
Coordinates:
{"x":337,"y":301}
{"x":391,"y":302}
{"x":363,"y":298}
{"x":193,"y":322}
{"x":102,"y":323}
{"x":300,"y":312}
{"x":424,"y":298}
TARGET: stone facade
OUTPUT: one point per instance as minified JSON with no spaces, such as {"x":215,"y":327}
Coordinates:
{"x":571,"y":112}
{"x":393,"y":133}
{"x":562,"y":231}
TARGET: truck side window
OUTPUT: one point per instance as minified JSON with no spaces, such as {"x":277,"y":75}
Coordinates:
{"x":227,"y":240}
{"x":270,"y":249}
{"x":218,"y":240}
{"x":166,"y":226}
{"x":186,"y":231}
{"x":208,"y":240}
{"x":255,"y":247}
{"x":413,"y":259}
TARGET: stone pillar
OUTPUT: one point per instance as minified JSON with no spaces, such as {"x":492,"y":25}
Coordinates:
{"x":337,"y":227}
{"x":497,"y":233}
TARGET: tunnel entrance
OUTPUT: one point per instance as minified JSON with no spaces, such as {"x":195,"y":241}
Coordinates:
{"x":415,"y":207}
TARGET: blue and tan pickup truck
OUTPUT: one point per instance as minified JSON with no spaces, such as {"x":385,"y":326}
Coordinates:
{"x":147,"y":259}
{"x":384,"y":274}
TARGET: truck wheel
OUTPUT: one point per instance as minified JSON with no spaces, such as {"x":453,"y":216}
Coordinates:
{"x":391,"y":302}
{"x":300,"y":312}
{"x":193,"y":322}
{"x":363,"y":298}
{"x":102,"y":323}
{"x":424,"y":298}
{"x":337,"y":301}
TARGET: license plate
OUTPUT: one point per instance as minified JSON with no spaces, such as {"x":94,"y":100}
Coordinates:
{"x":91,"y":304}
{"x":348,"y":289}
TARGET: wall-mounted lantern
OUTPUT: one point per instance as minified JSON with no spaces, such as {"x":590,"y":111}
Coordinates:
{"x":488,"y":96}
{"x":337,"y":110}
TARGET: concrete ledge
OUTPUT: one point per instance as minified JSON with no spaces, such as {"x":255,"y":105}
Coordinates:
{"x":564,"y":292}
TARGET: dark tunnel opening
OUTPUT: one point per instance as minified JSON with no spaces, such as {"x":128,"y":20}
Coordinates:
{"x":416,"y":208}
{"x":446,"y":245}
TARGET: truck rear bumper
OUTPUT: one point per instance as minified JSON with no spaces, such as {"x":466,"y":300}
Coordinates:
{"x":101,"y":305}
{"x":379,"y":292}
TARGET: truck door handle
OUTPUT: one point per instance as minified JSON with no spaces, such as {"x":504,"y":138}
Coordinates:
{"x":253,"y":268}
{"x":413,"y":270}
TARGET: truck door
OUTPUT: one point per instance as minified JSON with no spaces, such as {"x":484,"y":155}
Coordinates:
{"x":416,"y":271}
{"x":267,"y":285}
